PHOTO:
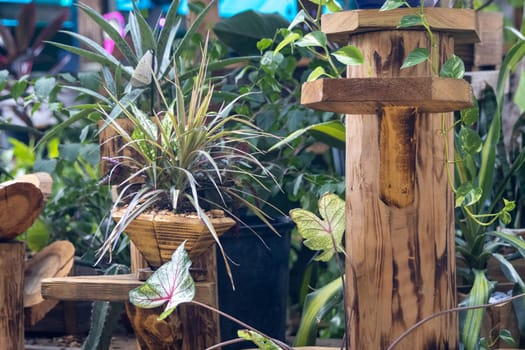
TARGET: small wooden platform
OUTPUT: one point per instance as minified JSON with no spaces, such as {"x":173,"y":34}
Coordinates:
{"x":370,"y":95}
{"x":108,"y":288}
{"x":461,"y":23}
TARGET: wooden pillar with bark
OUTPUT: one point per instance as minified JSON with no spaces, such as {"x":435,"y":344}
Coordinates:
{"x":399,"y":203}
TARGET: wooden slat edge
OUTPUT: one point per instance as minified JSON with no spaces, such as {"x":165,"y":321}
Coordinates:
{"x":107,"y":288}
{"x":368,"y":95}
{"x":461,"y":23}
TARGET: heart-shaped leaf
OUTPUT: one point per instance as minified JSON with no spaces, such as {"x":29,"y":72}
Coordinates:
{"x":171,"y":283}
{"x":453,"y":68}
{"x":313,"y":39}
{"x":417,"y":56}
{"x":469,"y":140}
{"x":467,"y":194}
{"x":322,"y":234}
{"x":349,"y":55}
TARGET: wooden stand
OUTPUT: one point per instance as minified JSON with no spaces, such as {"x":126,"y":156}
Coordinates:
{"x":188,"y":328}
{"x":400,"y":218}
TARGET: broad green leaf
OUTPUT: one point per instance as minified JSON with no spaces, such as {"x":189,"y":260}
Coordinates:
{"x":410,"y":21}
{"x":469,"y":140}
{"x":24,"y":154}
{"x":519,"y":308}
{"x":45,"y":165}
{"x":167,"y":34}
{"x":313,"y":39}
{"x":53,"y":148}
{"x":508,"y":205}
{"x":333,"y":6}
{"x":44,"y":86}
{"x":262,"y":342}
{"x":332,"y":133}
{"x":264,"y":43}
{"x":488,"y":156}
{"x":18,"y":88}
{"x":416,"y":57}
{"x":299,"y":18}
{"x":391,"y":5}
{"x":171,"y":283}
{"x":111,"y":32}
{"x":316,"y":305}
{"x":316,"y":73}
{"x":511,"y":239}
{"x":479,"y":294}
{"x":349,"y":55}
{"x":470,"y":115}
{"x":509,"y":271}
{"x":516,"y":32}
{"x":467,"y":194}
{"x":242,"y":31}
{"x":519,"y":95}
{"x":505,"y":217}
{"x":37,"y":236}
{"x":70,"y":151}
{"x":272,"y":61}
{"x":290,"y":38}
{"x":453,"y":68}
{"x":506,"y":336}
{"x":326,"y":233}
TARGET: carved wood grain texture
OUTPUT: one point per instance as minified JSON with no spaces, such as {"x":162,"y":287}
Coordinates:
{"x":401,"y":256}
{"x":12,"y":295}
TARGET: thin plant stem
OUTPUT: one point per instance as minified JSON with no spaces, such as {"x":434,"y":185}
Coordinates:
{"x":444,"y":312}
{"x":245,"y":325}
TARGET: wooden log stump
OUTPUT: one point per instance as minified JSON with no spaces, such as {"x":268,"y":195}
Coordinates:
{"x":12,"y":295}
{"x":20,"y":205}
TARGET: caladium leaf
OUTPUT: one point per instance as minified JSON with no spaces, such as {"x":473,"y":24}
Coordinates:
{"x":322,"y":234}
{"x":262,"y":342}
{"x":171,"y":283}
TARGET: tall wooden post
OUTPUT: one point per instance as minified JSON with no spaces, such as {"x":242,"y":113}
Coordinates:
{"x":400,"y":209}
{"x":12,"y":295}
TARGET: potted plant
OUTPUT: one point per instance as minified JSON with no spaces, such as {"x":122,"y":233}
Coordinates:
{"x":190,"y":165}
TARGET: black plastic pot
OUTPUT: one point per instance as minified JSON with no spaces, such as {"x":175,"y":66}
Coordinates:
{"x":261,"y":279}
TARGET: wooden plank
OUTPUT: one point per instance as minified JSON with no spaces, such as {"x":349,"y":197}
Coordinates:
{"x":461,"y":23}
{"x":107,"y":288}
{"x":12,"y":295}
{"x":370,"y":95}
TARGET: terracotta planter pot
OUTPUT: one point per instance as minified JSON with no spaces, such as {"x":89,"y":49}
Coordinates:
{"x":157,"y":236}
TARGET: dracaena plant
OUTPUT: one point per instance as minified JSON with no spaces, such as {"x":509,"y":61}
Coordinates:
{"x":187,"y":158}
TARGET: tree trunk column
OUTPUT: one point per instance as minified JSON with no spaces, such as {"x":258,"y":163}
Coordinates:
{"x":399,"y":205}
{"x":400,"y":219}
